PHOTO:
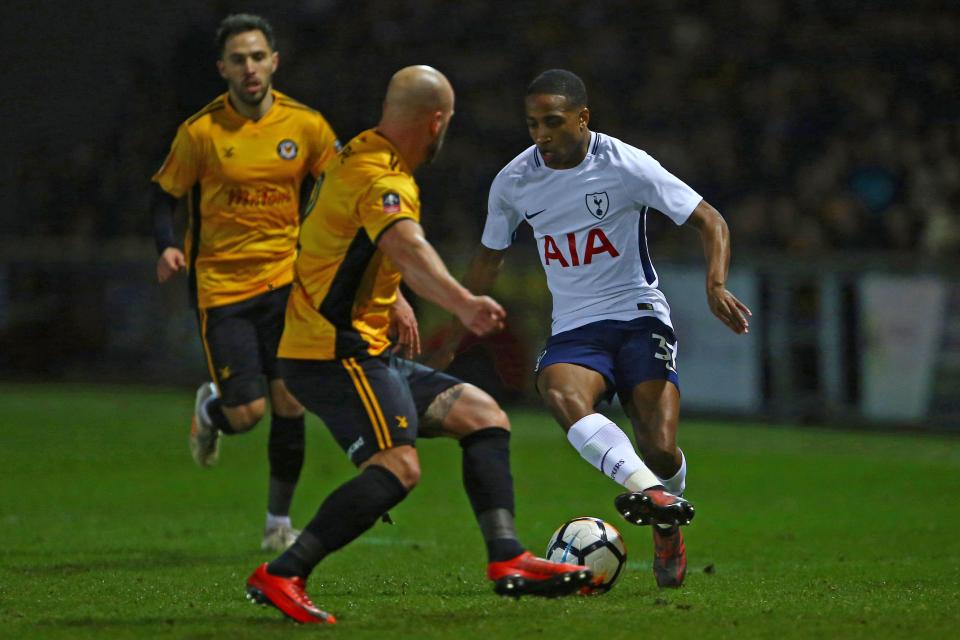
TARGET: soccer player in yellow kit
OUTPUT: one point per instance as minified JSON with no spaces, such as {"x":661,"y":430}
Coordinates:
{"x":361,"y":236}
{"x":241,"y":162}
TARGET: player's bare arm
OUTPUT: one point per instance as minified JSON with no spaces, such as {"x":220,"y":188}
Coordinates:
{"x":716,"y":248}
{"x":425,"y":273}
{"x":403,"y":324}
{"x":480,"y":277}
{"x":483,"y":270}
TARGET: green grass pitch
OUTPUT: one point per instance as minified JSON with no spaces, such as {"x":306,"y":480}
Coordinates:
{"x":107,"y":530}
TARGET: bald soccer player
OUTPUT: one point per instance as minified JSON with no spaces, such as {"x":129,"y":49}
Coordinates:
{"x":242,"y":162}
{"x":360,"y":239}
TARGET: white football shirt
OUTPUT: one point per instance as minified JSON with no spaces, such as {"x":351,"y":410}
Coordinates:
{"x":590,"y":226}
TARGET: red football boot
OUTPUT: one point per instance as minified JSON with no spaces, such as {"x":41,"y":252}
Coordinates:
{"x":669,"y":556}
{"x":527,"y":574}
{"x":654,"y":506}
{"x":287,"y":595}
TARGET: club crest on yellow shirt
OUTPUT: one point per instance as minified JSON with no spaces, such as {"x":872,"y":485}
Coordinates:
{"x":287,"y":149}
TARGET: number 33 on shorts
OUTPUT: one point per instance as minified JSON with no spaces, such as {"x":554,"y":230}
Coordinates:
{"x":666,"y":351}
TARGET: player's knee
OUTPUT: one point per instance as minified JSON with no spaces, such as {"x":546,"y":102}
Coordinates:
{"x":283,"y":403}
{"x":499,"y":418}
{"x":411,"y":478}
{"x":565,"y":400}
{"x":287,"y":406}
{"x":486,"y":411}
{"x":402,"y":462}
{"x":474,"y":410}
{"x":246,"y":416}
{"x":410,"y":468}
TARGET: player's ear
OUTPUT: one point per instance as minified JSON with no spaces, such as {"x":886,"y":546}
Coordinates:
{"x":584,"y":116}
{"x":276,"y":60}
{"x":222,"y":69}
{"x":436,"y":123}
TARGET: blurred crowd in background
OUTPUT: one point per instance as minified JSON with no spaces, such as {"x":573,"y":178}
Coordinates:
{"x":815,"y":127}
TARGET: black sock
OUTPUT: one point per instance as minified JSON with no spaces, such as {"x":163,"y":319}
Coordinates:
{"x":489,"y":485}
{"x":214,"y":408}
{"x":351,"y":509}
{"x":499,"y":534}
{"x":300,"y":558}
{"x":285,"y":449}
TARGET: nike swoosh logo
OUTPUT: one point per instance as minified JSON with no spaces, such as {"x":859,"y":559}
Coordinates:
{"x":530,"y":216}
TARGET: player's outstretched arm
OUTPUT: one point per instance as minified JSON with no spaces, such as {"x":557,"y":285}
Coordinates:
{"x":716,"y":248}
{"x":480,"y":277}
{"x":425,"y":273}
{"x":483,"y":270}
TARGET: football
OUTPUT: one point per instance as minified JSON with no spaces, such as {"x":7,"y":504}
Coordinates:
{"x":594,"y":543}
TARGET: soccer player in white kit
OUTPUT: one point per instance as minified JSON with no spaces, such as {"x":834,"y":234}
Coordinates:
{"x":586,"y":195}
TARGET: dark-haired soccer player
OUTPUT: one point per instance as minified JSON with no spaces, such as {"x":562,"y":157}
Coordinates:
{"x":244,"y":158}
{"x":361,"y":237}
{"x":586,"y":195}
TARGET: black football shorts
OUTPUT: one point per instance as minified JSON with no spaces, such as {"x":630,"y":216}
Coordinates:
{"x":369,"y":404}
{"x":240,"y":341}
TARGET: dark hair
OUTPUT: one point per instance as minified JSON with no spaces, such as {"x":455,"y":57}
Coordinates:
{"x":560,"y":82}
{"x":241,"y":23}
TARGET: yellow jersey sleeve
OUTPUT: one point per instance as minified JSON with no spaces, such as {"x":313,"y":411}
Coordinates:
{"x":391,"y":198}
{"x":323,"y":146}
{"x":181,"y":169}
{"x":339,"y":306}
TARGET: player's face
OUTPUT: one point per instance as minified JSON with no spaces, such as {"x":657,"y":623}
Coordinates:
{"x":248,"y":65}
{"x":558,"y":129}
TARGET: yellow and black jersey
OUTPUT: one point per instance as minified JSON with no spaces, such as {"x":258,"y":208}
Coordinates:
{"x":340,"y":303}
{"x":242,"y":238}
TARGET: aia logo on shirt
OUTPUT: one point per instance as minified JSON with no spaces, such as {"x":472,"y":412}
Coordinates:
{"x":287,"y":149}
{"x":597,"y":244}
{"x":391,"y":202}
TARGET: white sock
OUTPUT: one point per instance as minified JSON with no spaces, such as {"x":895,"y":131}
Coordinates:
{"x":678,"y":483}
{"x":274,"y":522}
{"x":605,"y":446}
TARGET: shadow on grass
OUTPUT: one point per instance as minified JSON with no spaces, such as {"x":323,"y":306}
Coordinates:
{"x":35,"y":563}
{"x":161,"y":622}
